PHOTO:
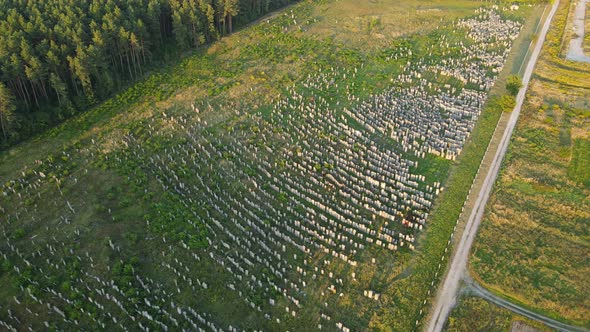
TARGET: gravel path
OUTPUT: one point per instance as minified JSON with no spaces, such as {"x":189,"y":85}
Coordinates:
{"x":576,"y":49}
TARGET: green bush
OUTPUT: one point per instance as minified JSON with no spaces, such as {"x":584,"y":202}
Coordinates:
{"x":513,"y":84}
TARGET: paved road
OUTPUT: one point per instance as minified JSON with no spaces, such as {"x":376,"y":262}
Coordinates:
{"x":447,"y":293}
{"x":576,"y":49}
{"x":478,"y":290}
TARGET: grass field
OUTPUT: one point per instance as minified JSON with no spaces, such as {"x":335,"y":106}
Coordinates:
{"x":533,"y":246}
{"x":475,"y":314}
{"x":90,"y":202}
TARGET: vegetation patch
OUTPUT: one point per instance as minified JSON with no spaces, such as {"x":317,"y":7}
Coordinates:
{"x":579,"y":167}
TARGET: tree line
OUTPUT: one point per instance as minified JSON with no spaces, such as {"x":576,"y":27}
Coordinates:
{"x":58,"y":57}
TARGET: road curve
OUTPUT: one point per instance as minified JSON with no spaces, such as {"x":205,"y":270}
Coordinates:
{"x":478,"y":290}
{"x":446,"y":295}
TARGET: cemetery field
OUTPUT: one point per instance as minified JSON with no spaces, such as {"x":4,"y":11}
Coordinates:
{"x":295,"y":175}
{"x":533,"y":245}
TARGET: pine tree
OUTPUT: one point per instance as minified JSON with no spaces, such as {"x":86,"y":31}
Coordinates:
{"x":231,"y":9}
{"x":7,"y":108}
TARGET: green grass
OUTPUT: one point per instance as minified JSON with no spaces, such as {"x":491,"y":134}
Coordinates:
{"x":579,"y":167}
{"x":527,"y":37}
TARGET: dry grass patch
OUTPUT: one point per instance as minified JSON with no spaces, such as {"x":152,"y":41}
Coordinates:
{"x":372,"y":24}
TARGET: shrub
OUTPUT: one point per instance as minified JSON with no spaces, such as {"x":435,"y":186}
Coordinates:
{"x":513,"y":84}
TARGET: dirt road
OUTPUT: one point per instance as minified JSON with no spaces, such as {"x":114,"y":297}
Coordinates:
{"x":447,"y":293}
{"x":478,"y":290}
{"x":576,"y":49}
